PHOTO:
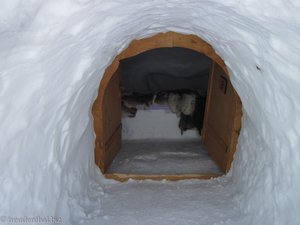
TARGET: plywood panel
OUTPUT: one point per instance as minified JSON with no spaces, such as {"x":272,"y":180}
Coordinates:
{"x":97,"y":109}
{"x":222,"y":118}
{"x":108,"y":151}
{"x":107,"y":120}
{"x":126,"y":177}
{"x":112,"y":147}
{"x":111,"y":106}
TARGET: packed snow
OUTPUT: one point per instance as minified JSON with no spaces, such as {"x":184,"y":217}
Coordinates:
{"x":53,"y":55}
{"x":163,"y":156}
{"x":155,"y":124}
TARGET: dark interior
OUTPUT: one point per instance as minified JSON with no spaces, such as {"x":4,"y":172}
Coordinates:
{"x":175,"y":76}
{"x":165,"y":69}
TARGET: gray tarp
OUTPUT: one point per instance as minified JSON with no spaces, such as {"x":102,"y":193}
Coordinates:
{"x":165,"y":69}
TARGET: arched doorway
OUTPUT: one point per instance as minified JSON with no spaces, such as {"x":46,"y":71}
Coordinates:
{"x":222,"y":119}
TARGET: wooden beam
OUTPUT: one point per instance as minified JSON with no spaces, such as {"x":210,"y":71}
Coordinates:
{"x":175,"y":177}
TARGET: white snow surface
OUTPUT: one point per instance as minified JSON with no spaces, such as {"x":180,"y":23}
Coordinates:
{"x":155,"y":124}
{"x":163,"y":156}
{"x":53,"y":54}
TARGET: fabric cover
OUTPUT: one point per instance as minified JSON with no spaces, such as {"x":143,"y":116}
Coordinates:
{"x":165,"y":69}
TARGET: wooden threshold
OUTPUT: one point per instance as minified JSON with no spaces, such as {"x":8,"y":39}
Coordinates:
{"x":175,"y":177}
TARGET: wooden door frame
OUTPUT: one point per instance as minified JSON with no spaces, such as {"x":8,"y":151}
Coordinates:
{"x":161,"y":40}
{"x":235,"y":126}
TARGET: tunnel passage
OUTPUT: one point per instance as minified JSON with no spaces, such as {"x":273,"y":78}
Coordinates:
{"x":222,"y":119}
{"x":173,"y":80}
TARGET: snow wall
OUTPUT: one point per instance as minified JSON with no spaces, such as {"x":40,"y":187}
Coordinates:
{"x":53,"y":54}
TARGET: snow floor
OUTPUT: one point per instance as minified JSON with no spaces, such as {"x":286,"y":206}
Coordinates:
{"x":147,"y":202}
{"x":175,"y":157}
{"x":189,"y":202}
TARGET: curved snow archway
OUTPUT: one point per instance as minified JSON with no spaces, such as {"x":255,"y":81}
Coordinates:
{"x":52,"y":53}
{"x":107,"y":113}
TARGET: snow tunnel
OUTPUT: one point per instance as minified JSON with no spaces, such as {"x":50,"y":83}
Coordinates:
{"x":153,"y":69}
{"x":53,"y":58}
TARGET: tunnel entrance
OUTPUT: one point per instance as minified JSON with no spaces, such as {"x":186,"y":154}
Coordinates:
{"x":218,"y":125}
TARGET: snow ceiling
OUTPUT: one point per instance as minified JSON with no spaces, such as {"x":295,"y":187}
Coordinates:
{"x":54,"y":52}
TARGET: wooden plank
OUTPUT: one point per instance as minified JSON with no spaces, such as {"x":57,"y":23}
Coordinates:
{"x":216,"y":148}
{"x":207,"y":105}
{"x":111,"y":107}
{"x":98,"y":154}
{"x":222,"y":120}
{"x":237,"y":124}
{"x":221,"y":114}
{"x":112,"y":148}
{"x":97,"y":109}
{"x":107,"y":119}
{"x":106,"y":152}
{"x":176,"y":177}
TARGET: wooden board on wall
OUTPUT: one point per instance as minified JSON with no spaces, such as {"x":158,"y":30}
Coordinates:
{"x":175,"y":177}
{"x":222,"y":118}
{"x":108,"y":137}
